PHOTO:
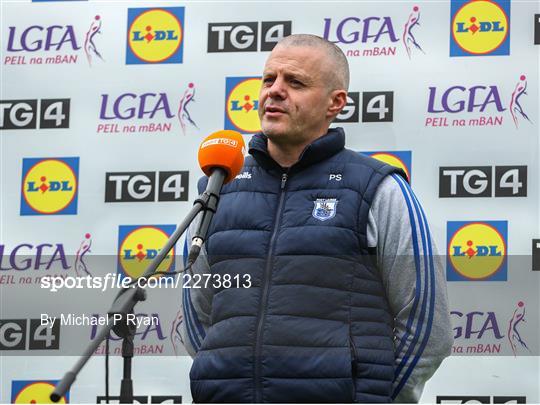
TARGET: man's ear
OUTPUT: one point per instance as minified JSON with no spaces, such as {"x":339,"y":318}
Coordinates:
{"x":338,"y":100}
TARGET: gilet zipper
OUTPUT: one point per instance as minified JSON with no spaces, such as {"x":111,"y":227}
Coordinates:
{"x":264,"y":296}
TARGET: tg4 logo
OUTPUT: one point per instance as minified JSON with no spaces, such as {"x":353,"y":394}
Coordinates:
{"x":377,"y":106}
{"x":483,"y":181}
{"x":28,"y":334}
{"x":481,"y":399}
{"x":24,"y":114}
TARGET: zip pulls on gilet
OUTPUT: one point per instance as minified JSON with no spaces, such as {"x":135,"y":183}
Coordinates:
{"x":284,"y":177}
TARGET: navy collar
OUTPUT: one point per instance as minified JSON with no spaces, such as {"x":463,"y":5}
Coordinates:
{"x":320,"y":149}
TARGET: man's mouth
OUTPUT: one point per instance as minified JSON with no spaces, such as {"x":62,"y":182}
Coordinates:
{"x":274,"y":111}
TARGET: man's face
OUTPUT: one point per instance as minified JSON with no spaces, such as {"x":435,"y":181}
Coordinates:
{"x":294,"y":97}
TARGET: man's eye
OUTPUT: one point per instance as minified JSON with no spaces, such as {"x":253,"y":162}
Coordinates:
{"x":268,"y":80}
{"x":295,"y":82}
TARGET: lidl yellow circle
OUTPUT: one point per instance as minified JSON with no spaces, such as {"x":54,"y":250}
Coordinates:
{"x":242,"y":105}
{"x":49,"y":186}
{"x":139,"y":248}
{"x":483,"y":251}
{"x":37,"y":393}
{"x":393,"y":161}
{"x":486,"y":24}
{"x":159,"y":34}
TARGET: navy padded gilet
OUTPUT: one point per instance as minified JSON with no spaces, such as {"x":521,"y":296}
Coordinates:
{"x":315,"y":325}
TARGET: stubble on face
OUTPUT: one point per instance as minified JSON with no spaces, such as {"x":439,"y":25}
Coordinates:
{"x":293,"y":99}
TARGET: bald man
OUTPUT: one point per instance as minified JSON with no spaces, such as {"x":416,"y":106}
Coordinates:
{"x":346,"y":299}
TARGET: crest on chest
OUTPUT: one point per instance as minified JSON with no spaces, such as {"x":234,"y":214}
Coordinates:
{"x":324,"y":209}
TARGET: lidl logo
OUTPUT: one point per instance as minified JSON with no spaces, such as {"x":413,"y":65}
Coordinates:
{"x":34,"y":392}
{"x":242,"y":104}
{"x":138,"y":245}
{"x":401,"y":159}
{"x":480,"y":27}
{"x":155,"y":35}
{"x":50,"y":186}
{"x":477,"y":251}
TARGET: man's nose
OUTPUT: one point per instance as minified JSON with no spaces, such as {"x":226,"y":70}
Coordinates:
{"x":277,"y":90}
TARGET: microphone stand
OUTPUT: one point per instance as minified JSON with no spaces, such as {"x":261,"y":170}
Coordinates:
{"x":126,"y":300}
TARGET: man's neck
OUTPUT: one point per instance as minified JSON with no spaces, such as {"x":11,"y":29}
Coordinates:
{"x":288,"y":155}
{"x":285,"y":156}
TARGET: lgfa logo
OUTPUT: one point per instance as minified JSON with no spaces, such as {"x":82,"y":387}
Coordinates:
{"x":477,"y":251}
{"x":44,"y":257}
{"x":50,"y":186}
{"x":516,"y":110}
{"x":115,"y":110}
{"x":400,"y":159}
{"x":242,"y":104}
{"x":480,"y":27}
{"x":483,"y":332}
{"x":34,"y":392}
{"x":53,"y":38}
{"x":375,"y":30}
{"x":514,"y":337}
{"x":138,"y":245}
{"x":485,"y":99}
{"x":155,"y":35}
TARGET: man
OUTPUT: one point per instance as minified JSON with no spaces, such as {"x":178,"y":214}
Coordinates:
{"x":347,"y":301}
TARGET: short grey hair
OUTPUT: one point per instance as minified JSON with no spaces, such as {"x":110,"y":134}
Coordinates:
{"x":340,"y":70}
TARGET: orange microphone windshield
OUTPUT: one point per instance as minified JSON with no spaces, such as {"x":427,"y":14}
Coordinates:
{"x":224,"y":149}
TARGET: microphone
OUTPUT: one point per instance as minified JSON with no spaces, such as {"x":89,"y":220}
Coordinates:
{"x":221,"y":157}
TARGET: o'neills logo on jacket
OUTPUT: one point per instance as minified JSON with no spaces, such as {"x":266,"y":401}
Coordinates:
{"x":245,"y":175}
